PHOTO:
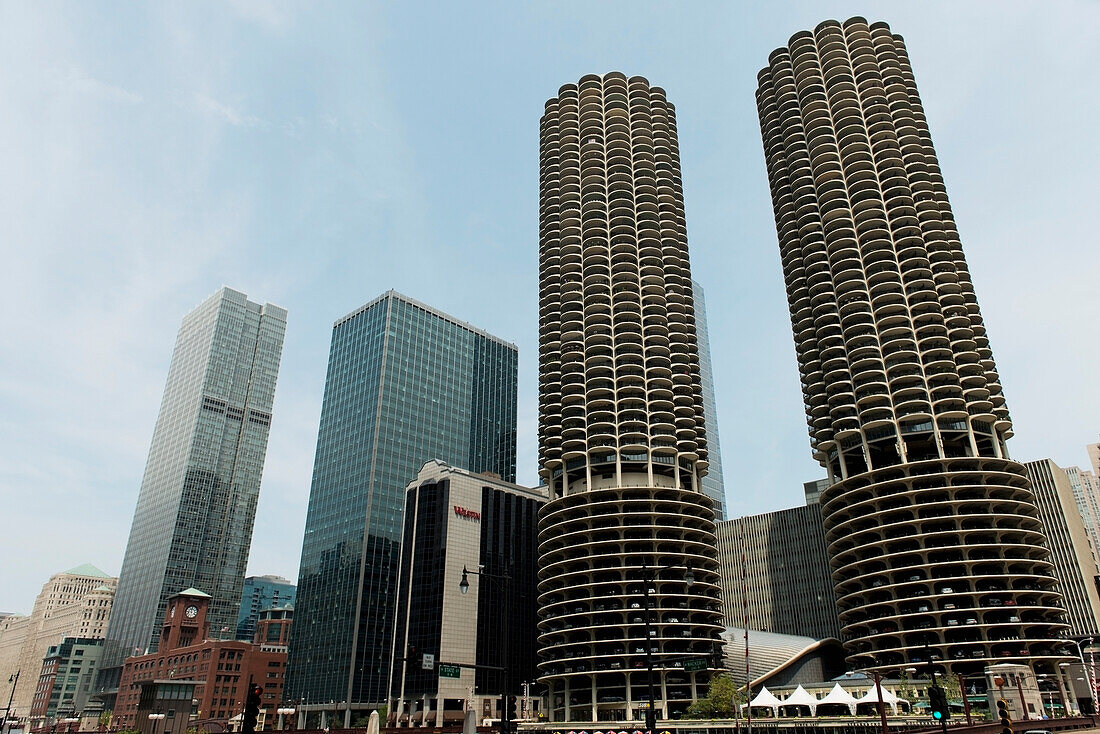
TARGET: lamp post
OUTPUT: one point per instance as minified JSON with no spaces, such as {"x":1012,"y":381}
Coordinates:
{"x":283,"y":713}
{"x":504,"y":580}
{"x":878,"y":693}
{"x":14,"y":680}
{"x":649,"y":576}
{"x":1088,"y":673}
{"x":155,"y":717}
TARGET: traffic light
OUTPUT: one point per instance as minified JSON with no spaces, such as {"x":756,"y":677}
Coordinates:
{"x":1002,"y":714}
{"x":252,"y":707}
{"x":412,"y":657}
{"x":937,"y":700}
{"x":513,"y":708}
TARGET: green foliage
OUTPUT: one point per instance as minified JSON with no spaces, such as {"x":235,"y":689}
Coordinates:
{"x":105,"y":718}
{"x":951,"y":687}
{"x":723,"y":696}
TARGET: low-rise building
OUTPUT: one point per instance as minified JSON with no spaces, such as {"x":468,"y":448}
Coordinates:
{"x":220,"y":670}
{"x":66,"y":681}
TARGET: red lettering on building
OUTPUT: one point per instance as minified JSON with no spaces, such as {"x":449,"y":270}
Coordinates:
{"x":463,"y":512}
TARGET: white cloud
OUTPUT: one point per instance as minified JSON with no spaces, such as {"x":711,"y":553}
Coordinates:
{"x":266,"y":13}
{"x":208,"y":105}
{"x":77,"y":80}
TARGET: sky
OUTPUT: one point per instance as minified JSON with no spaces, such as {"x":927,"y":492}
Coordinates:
{"x":316,"y":155}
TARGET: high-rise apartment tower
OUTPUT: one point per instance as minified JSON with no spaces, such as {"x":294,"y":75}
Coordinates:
{"x":197,"y":504}
{"x":932,"y":529}
{"x":406,"y":384}
{"x":622,"y":443}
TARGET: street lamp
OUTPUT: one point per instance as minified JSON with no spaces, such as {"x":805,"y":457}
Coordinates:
{"x":1088,"y":673}
{"x":14,"y":680}
{"x":649,"y":576}
{"x":155,"y":717}
{"x":504,"y":580}
{"x":283,"y":712}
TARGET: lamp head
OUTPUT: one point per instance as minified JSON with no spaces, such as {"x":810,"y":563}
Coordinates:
{"x":464,"y":584}
{"x":689,"y":576}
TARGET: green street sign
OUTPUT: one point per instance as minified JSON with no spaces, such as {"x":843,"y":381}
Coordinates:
{"x":449,"y":671}
{"x":696,"y":664}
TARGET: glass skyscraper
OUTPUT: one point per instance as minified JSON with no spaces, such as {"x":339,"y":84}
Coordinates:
{"x":712,"y":484}
{"x":406,"y":384}
{"x":193,"y":522}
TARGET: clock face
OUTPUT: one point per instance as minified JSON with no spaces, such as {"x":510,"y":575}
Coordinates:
{"x":191,"y":612}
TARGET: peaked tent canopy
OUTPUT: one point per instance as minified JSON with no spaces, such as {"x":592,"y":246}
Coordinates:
{"x":765,"y":699}
{"x":801,"y":697}
{"x":840,"y":696}
{"x":887,"y":697}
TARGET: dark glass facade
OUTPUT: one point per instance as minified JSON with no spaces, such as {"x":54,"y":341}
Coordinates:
{"x":509,"y":546}
{"x":499,"y":541}
{"x":195,"y":512}
{"x":406,"y":384}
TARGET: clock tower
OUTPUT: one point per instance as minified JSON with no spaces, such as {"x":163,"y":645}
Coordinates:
{"x":184,"y":620}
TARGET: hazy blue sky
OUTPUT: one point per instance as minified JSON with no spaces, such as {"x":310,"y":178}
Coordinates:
{"x":317,"y":155}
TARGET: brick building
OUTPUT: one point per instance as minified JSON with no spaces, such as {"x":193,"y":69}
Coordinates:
{"x":221,"y":669}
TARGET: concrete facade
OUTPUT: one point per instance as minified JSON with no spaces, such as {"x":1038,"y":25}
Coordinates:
{"x":1086,"y":494}
{"x":1074,"y":563}
{"x":622,"y":435}
{"x":932,"y":528}
{"x":75,"y":603}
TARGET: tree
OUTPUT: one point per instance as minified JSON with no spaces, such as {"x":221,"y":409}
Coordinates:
{"x":105,"y":720}
{"x":951,"y":687}
{"x":722,"y":697}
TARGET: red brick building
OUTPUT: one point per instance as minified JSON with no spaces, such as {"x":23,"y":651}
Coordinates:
{"x":221,"y":668}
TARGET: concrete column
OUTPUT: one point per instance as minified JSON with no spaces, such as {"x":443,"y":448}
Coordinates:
{"x":629,"y":697}
{"x":592,"y":686}
{"x":664,"y":696}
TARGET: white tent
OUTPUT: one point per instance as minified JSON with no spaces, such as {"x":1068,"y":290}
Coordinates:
{"x":801,"y":697}
{"x":765,"y":699}
{"x":887,"y":697}
{"x":840,"y":696}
